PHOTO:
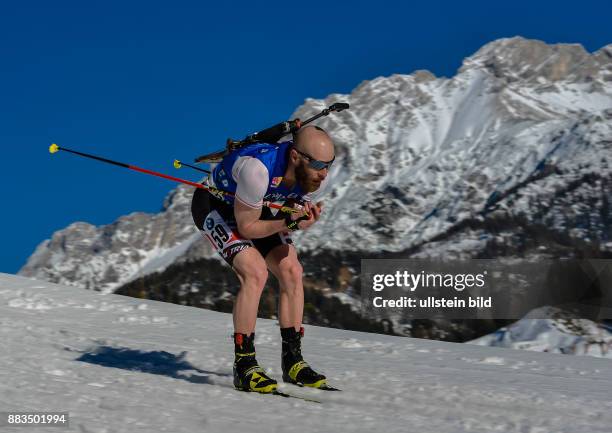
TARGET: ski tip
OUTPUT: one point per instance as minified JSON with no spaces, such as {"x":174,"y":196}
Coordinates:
{"x":53,"y":148}
{"x":328,"y":388}
{"x":286,"y":395}
{"x":177,"y":163}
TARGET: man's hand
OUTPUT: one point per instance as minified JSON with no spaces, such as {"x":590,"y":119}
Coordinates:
{"x":317,"y":209}
{"x":313,"y":212}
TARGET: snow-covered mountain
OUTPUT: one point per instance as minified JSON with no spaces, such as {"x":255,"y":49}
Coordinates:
{"x":512,"y":155}
{"x":559,"y":333}
{"x":119,"y":364}
{"x":523,"y":129}
{"x":103,"y":258}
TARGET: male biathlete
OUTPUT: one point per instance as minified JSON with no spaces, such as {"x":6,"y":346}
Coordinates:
{"x":254,"y":239}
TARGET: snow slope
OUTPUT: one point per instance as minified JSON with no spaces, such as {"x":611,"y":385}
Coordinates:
{"x":559,"y":333}
{"x":120,"y":364}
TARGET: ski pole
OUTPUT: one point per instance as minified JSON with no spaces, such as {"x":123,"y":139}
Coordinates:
{"x":54,"y":148}
{"x":179,"y":164}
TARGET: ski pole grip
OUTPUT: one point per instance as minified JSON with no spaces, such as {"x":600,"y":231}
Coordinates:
{"x":339,"y":106}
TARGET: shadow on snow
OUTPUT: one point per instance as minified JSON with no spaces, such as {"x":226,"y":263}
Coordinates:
{"x":156,"y":362}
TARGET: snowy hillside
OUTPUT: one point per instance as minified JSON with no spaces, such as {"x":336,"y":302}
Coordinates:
{"x":560,"y":333}
{"x":119,"y":364}
{"x":512,"y":151}
{"x":103,"y":258}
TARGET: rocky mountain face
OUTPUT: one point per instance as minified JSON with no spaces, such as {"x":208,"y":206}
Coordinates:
{"x":106,"y":257}
{"x":509,"y":136}
{"x":510,"y":157}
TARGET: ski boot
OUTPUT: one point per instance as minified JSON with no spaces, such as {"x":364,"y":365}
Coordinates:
{"x":248,"y":375}
{"x":295,"y":369}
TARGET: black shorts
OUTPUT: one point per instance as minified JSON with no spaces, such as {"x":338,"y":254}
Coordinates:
{"x":215,"y":220}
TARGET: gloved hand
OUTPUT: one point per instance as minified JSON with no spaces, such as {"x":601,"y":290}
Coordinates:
{"x":302,"y":220}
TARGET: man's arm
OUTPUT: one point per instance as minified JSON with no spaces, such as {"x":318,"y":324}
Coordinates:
{"x":251,"y":227}
{"x":251,"y":175}
{"x":249,"y":224}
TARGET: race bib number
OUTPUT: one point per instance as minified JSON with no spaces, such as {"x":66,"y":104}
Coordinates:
{"x":223,"y":238}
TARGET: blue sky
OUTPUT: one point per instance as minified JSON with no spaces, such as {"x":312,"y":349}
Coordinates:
{"x":149,"y":82}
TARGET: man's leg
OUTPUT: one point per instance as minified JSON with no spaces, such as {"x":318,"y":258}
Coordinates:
{"x":250,"y":267}
{"x":219,"y":227}
{"x":283,"y":262}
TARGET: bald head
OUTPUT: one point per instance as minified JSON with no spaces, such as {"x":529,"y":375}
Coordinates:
{"x":315,"y":142}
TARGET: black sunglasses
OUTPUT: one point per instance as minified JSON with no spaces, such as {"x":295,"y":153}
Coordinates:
{"x":315,"y":163}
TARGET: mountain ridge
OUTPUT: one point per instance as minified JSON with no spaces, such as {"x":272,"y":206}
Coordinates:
{"x":424,"y":165}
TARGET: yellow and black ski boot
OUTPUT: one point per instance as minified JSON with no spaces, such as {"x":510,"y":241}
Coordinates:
{"x":248,"y":375}
{"x":295,"y":369}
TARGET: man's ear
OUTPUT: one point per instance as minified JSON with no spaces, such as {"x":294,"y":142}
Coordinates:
{"x":293,"y":155}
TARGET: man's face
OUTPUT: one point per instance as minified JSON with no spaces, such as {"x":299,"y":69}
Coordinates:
{"x":312,"y":155}
{"x":308,"y":178}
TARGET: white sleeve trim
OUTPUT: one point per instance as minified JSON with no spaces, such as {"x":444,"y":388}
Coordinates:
{"x":251,"y":176}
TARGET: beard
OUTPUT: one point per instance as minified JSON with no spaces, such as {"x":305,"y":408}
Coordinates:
{"x":305,"y":182}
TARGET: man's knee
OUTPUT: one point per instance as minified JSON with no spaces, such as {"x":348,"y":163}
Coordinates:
{"x":251,"y":269}
{"x":255,"y":276}
{"x":291,"y":275}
